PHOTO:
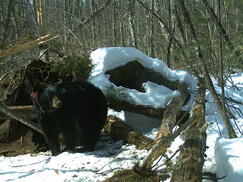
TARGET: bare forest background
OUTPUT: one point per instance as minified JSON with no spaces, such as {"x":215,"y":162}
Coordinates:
{"x":156,"y":27}
{"x":200,"y":36}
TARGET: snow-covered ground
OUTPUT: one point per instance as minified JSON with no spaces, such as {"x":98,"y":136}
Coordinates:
{"x":224,"y":156}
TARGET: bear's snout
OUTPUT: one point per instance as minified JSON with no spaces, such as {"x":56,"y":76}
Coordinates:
{"x":56,"y":103}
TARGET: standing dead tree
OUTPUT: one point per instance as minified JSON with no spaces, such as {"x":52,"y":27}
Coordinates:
{"x":21,"y":45}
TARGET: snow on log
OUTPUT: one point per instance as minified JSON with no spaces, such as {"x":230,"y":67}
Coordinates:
{"x":169,"y":122}
{"x":137,"y":83}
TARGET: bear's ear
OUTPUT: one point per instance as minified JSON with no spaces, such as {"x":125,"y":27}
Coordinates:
{"x":37,"y":87}
{"x":34,"y":95}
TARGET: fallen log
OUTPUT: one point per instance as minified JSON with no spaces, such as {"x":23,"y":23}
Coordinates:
{"x":27,"y":111}
{"x":133,"y":75}
{"x":4,"y":109}
{"x":191,"y":159}
{"x":151,"y":112}
{"x":114,"y":127}
{"x":119,"y":130}
{"x":169,"y":122}
{"x":160,"y":144}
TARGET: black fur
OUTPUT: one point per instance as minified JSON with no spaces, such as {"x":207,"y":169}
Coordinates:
{"x":78,"y":110}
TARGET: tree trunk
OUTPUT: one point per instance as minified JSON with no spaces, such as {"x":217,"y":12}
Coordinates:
{"x":171,"y":111}
{"x":151,"y":36}
{"x":190,"y":161}
{"x":131,"y":12}
{"x":221,"y":30}
{"x":209,"y":83}
{"x":41,"y":30}
{"x":6,"y":26}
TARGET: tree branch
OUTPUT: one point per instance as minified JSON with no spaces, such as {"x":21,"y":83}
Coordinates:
{"x":20,"y":118}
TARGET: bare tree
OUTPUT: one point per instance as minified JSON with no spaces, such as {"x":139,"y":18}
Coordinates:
{"x":6,"y":25}
{"x":222,"y":31}
{"x":131,"y":12}
{"x":208,"y":81}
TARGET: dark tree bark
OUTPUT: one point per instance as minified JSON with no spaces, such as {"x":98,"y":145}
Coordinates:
{"x":191,"y":159}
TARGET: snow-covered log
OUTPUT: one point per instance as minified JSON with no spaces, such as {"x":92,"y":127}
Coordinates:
{"x":169,"y":122}
{"x":134,"y":82}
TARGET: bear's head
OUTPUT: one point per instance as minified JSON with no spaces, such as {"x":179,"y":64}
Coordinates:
{"x":47,"y":98}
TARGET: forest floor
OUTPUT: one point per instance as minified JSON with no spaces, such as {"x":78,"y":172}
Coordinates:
{"x":20,"y":143}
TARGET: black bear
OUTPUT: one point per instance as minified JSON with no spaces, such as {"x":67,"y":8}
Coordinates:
{"x":39,"y":141}
{"x":77,"y":110}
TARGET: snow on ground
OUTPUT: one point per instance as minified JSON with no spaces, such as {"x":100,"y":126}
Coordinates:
{"x":223,"y":153}
{"x":229,"y":162}
{"x":224,"y":156}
